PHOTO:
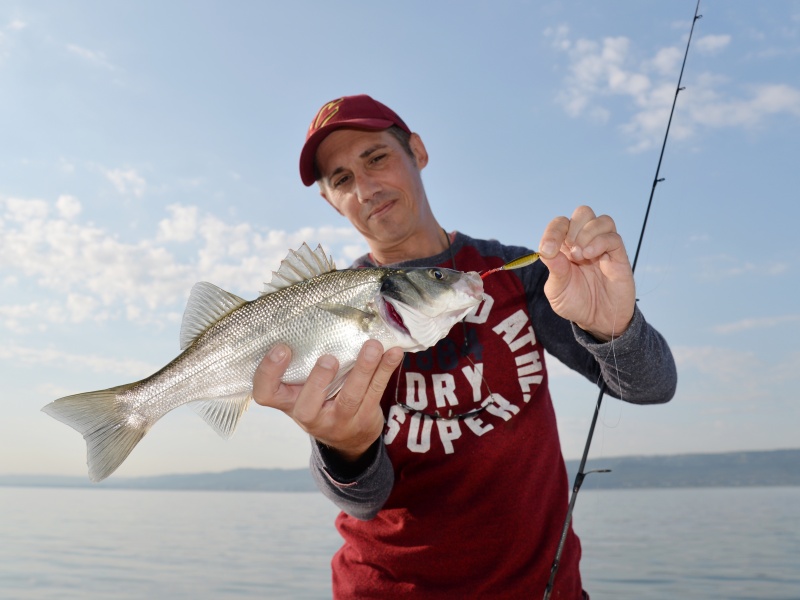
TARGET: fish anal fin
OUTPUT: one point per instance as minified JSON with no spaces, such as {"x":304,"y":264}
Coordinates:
{"x":207,"y":304}
{"x":223,"y":413}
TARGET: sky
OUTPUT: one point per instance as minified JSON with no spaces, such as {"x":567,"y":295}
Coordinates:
{"x":150,"y":145}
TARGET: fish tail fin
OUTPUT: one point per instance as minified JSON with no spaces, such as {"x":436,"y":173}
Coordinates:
{"x":110,"y":431}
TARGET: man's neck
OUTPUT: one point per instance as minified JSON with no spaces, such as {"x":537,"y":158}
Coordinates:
{"x":431,"y":242}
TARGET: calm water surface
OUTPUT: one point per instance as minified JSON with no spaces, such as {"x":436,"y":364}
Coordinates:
{"x":94,"y":544}
{"x":98,"y":544}
{"x":722,"y":544}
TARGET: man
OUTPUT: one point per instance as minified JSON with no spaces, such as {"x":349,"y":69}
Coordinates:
{"x":449,"y":470}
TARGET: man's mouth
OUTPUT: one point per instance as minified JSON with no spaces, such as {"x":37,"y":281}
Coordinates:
{"x":382,"y":209}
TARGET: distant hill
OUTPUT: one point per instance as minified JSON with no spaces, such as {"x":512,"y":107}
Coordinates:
{"x":732,"y":469}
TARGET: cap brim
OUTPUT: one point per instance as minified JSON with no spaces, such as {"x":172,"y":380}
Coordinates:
{"x":309,"y":151}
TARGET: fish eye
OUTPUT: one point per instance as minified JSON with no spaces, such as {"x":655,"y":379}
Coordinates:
{"x":437,"y":274}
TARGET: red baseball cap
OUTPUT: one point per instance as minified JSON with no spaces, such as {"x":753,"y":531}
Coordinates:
{"x":357,"y":112}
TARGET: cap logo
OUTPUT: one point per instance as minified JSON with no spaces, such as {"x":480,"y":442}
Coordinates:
{"x":325,"y":114}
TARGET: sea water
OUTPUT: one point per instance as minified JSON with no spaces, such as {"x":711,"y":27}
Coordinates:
{"x":93,"y":544}
{"x":716,"y":543}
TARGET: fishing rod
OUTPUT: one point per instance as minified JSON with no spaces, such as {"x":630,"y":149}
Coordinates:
{"x":581,"y":475}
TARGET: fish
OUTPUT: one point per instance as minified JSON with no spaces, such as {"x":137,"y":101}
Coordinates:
{"x":308,"y":305}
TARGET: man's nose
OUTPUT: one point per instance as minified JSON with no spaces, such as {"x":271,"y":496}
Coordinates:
{"x":367,"y":187}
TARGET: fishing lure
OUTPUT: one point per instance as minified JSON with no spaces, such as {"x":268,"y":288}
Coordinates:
{"x":517,"y":263}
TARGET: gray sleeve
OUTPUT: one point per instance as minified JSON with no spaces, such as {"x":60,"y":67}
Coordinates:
{"x":636,"y":367}
{"x":361,"y":489}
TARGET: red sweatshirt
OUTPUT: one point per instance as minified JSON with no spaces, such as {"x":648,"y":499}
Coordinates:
{"x":475,"y":505}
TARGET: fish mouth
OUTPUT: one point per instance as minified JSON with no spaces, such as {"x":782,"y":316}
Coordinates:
{"x":470,"y":285}
{"x":392,"y":316}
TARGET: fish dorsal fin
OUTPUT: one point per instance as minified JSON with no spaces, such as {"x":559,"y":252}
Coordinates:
{"x":299,"y":265}
{"x":207,"y":304}
{"x":223,"y":414}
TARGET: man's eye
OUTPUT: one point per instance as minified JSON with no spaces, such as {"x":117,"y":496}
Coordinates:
{"x":341,"y":181}
{"x":378,"y":158}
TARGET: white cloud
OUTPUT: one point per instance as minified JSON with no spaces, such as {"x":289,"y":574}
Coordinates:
{"x":596,"y":69}
{"x":712,"y":43}
{"x":68,"y":206}
{"x":727,"y":380}
{"x":84,"y":272}
{"x":66,"y":166}
{"x":757,"y":323}
{"x":721,"y":366}
{"x":713,"y":106}
{"x":6,"y":42}
{"x":598,"y":72}
{"x":181,"y":227}
{"x":699,"y":238}
{"x":127,"y":181}
{"x":95,"y":58}
{"x":12,"y":316}
{"x":667,"y":61}
{"x":58,"y":358}
{"x":788,"y":370}
{"x":19,"y":210}
{"x":716,"y":267}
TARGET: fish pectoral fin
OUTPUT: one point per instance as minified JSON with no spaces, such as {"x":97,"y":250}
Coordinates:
{"x":362,"y":317}
{"x":207,"y":304}
{"x":223,"y":413}
{"x":336,"y":385}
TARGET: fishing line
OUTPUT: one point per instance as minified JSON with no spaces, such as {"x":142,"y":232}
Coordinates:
{"x":581,"y":475}
{"x":613,"y":353}
{"x":465,"y":349}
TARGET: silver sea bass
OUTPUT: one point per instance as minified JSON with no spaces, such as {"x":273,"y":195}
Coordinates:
{"x":308,"y":305}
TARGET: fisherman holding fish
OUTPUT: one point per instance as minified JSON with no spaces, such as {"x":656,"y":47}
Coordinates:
{"x":445,"y":460}
{"x":446,"y":463}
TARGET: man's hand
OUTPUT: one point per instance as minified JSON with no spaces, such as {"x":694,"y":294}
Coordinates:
{"x":350,"y":421}
{"x":590,"y":282}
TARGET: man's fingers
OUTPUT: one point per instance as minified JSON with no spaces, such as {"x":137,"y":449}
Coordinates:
{"x":309,"y":401}
{"x":388,"y":365}
{"x":597,"y":236}
{"x":267,"y":387}
{"x":563,"y":233}
{"x":359,"y":404}
{"x":580,"y":217}
{"x":584,"y":236}
{"x":360,"y":379}
{"x":581,"y":225}
{"x":553,"y":237}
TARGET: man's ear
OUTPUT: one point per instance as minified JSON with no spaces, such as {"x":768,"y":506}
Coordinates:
{"x":322,"y":193}
{"x":418,"y":148}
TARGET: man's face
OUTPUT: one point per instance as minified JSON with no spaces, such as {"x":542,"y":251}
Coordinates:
{"x":369,"y":178}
